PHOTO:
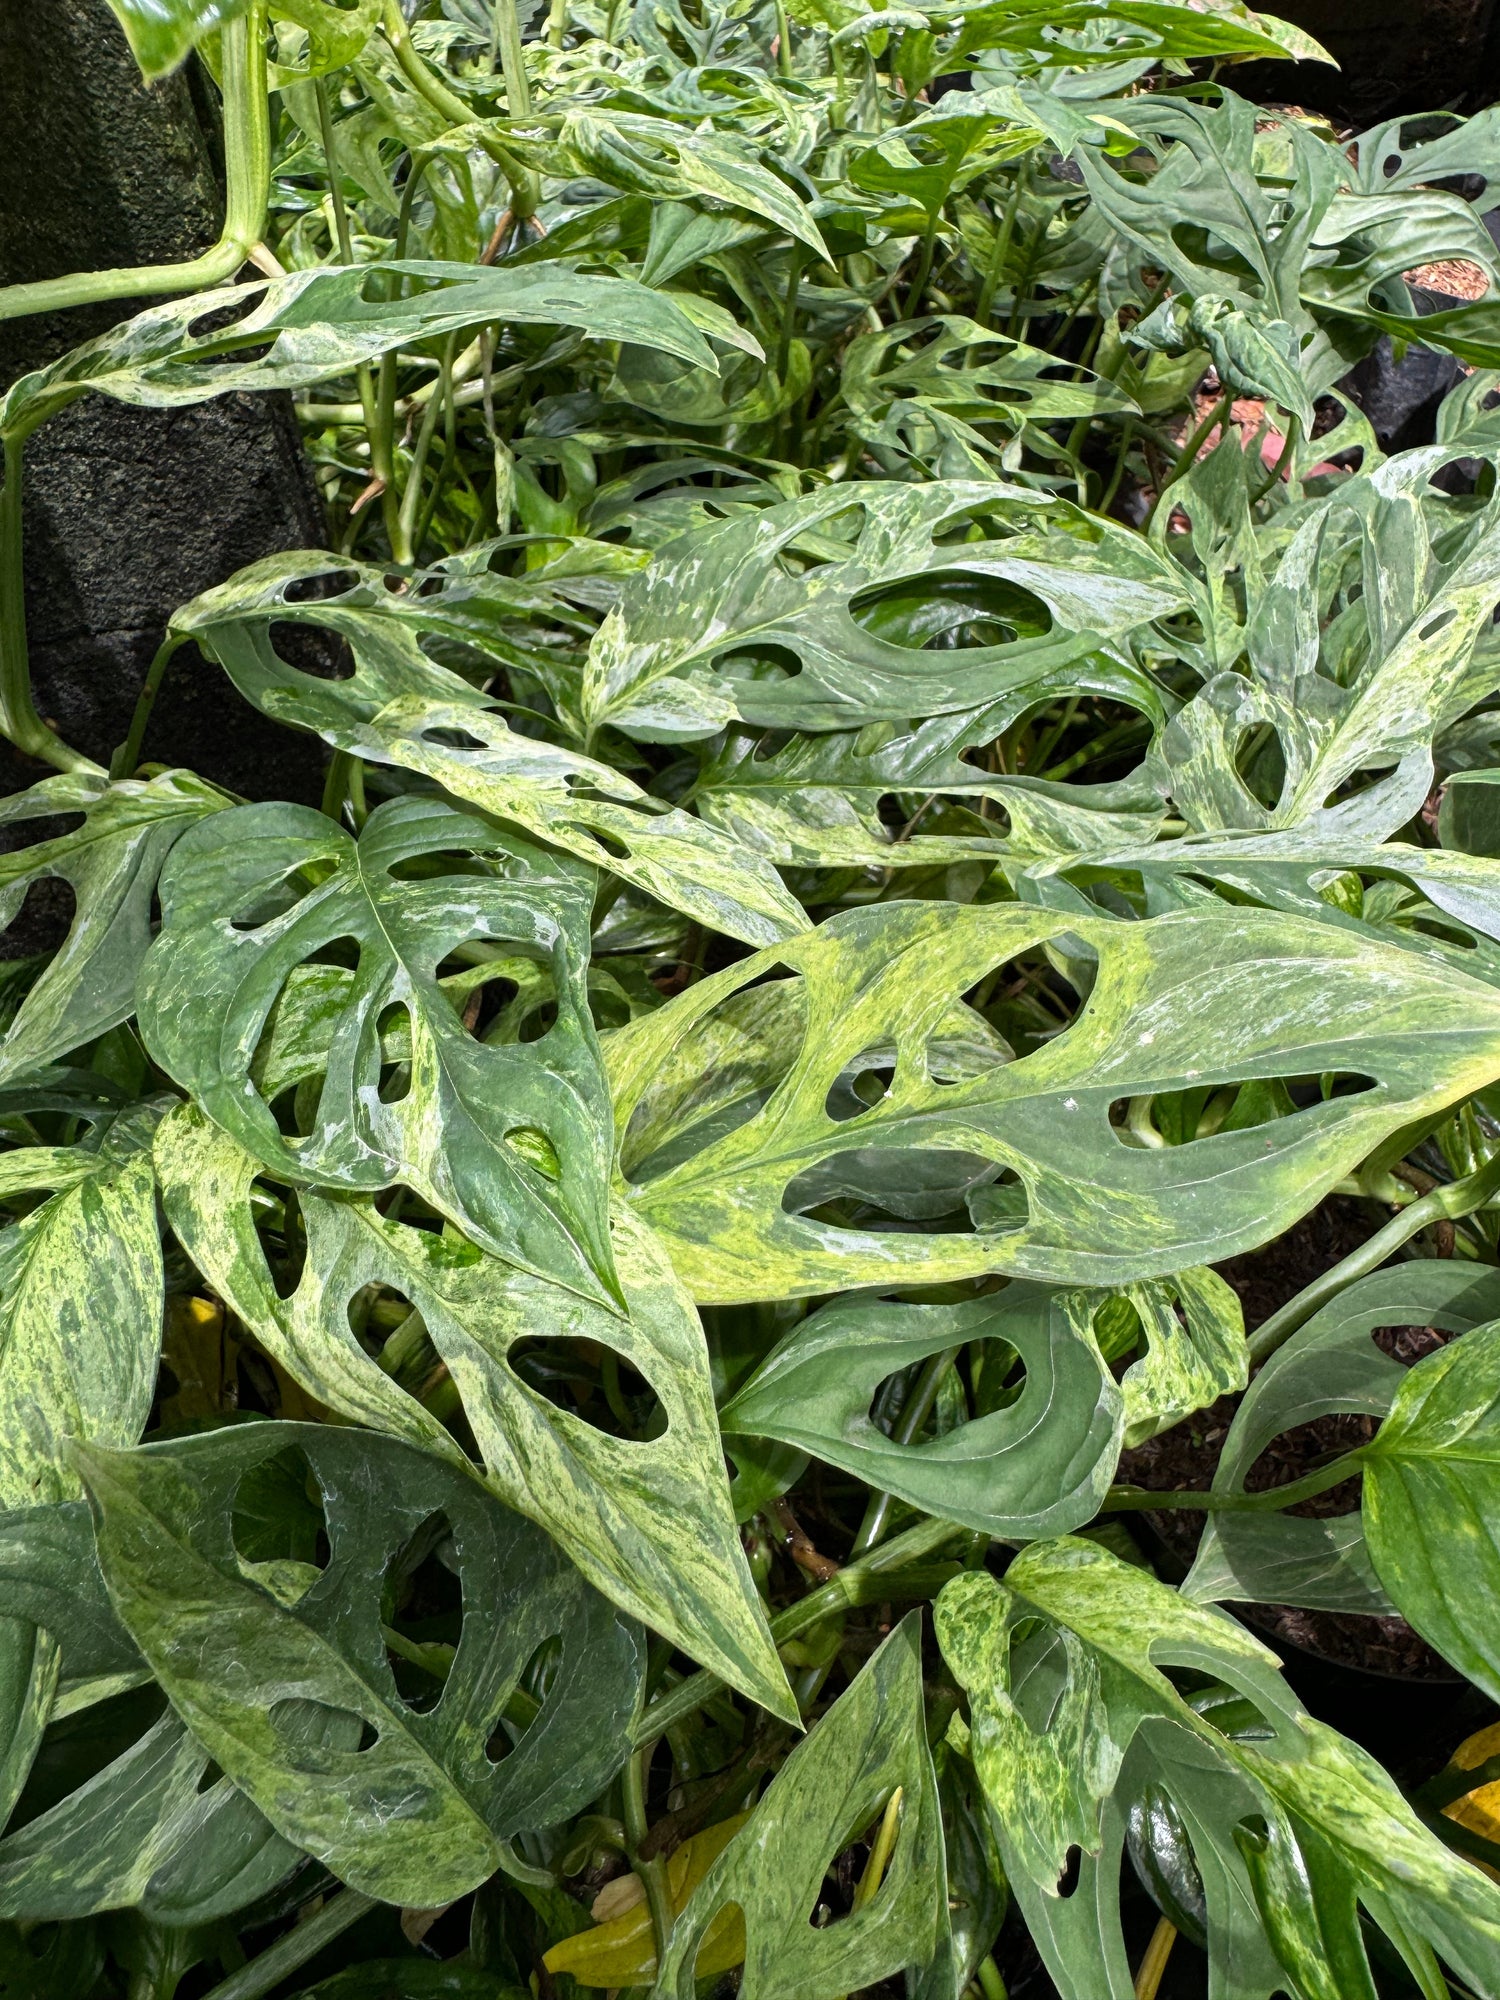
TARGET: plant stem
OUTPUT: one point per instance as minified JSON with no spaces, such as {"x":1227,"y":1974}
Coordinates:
{"x":911,"y":1420}
{"x":1124,"y":1499}
{"x":295,"y":1948}
{"x":924,"y":269}
{"x":512,"y":60}
{"x":128,"y":755}
{"x":1187,"y":457}
{"x":1154,"y":1964}
{"x":247,"y":169}
{"x":652,"y":1872}
{"x":1444,"y":1204}
{"x":18,"y":717}
{"x":783,"y":40}
{"x":1000,"y":255}
{"x":864,"y":1581}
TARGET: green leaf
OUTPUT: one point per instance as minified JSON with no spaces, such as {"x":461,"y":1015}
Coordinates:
{"x":1038,"y":1465}
{"x":648,"y":1521}
{"x":280,"y":1688}
{"x":1065,"y":1668}
{"x":161,"y":33}
{"x":321,"y":323}
{"x":111,"y":862}
{"x":779,"y":583}
{"x":399,"y":707}
{"x":871,"y":1743}
{"x":509,"y":1140}
{"x":80,"y":1305}
{"x":732,"y":1147}
{"x":153,"y":1830}
{"x":1330,"y":1365}
{"x":1432,"y":1480}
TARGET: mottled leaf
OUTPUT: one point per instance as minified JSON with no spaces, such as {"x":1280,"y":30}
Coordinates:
{"x":283,"y":1676}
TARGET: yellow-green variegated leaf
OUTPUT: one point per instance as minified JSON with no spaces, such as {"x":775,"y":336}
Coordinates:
{"x":767,"y":1178}
{"x":80,"y":1305}
{"x":400,"y":707}
{"x":281,"y":1668}
{"x":510,"y":1140}
{"x":833,"y":1787}
{"x":782,"y":584}
{"x":294,"y":331}
{"x":1292,"y":1827}
{"x":648,"y":1521}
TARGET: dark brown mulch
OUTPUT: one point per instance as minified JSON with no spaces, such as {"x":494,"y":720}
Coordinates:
{"x":1186,"y":1457}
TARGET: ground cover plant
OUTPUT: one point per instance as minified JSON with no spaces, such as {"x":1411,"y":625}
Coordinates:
{"x":585,"y":1327}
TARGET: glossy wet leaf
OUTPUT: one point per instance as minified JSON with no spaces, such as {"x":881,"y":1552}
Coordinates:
{"x":286,"y":1682}
{"x":161,"y":33}
{"x":1038,"y":1465}
{"x":733,"y":1149}
{"x":648,"y":1521}
{"x":1064,"y":1666}
{"x":111,"y":862}
{"x":827,"y":1793}
{"x":509,"y":1140}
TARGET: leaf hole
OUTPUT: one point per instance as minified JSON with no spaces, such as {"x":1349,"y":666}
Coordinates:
{"x":278,"y":1516}
{"x":422,"y":1613}
{"x":536,"y":1149}
{"x":927,"y":1190}
{"x":862,"y":1084}
{"x":525,"y":1701}
{"x":320,"y":586}
{"x":599,"y":1385}
{"x":453,"y":739}
{"x":1208,"y":1111}
{"x":1072,"y":1869}
{"x":394,"y":1028}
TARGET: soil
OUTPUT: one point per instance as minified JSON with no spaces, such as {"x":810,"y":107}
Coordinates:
{"x":1186,"y":1457}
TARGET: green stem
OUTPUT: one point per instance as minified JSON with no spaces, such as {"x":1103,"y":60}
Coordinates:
{"x":1444,"y":1204}
{"x":247,"y":166}
{"x":652,"y":1872}
{"x":128,"y":755}
{"x":866,"y":1581}
{"x":411,"y":499}
{"x":924,"y":270}
{"x":1187,"y":457}
{"x":1000,"y":255}
{"x":525,"y":190}
{"x":783,"y":40}
{"x":512,"y":60}
{"x":18,"y":717}
{"x":1125,"y":1499}
{"x":1288,"y":446}
{"x":295,"y":1948}
{"x":913,"y":1416}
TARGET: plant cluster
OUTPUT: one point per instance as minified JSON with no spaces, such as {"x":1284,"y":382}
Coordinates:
{"x":906,"y":778}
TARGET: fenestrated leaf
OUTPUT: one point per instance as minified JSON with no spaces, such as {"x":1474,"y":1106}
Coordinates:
{"x":1064,"y":1667}
{"x":509,"y":1140}
{"x":400,"y":707}
{"x":111,"y":862}
{"x":1038,"y":1465}
{"x":322,"y":322}
{"x":872,"y":1742}
{"x":149,"y":1828}
{"x":732,"y":1149}
{"x":648,"y":1521}
{"x":1195,"y":1350}
{"x":1331,"y":1365}
{"x":417,"y":1815}
{"x":1432,"y":1484}
{"x":153,"y":1830}
{"x":780,"y":584}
